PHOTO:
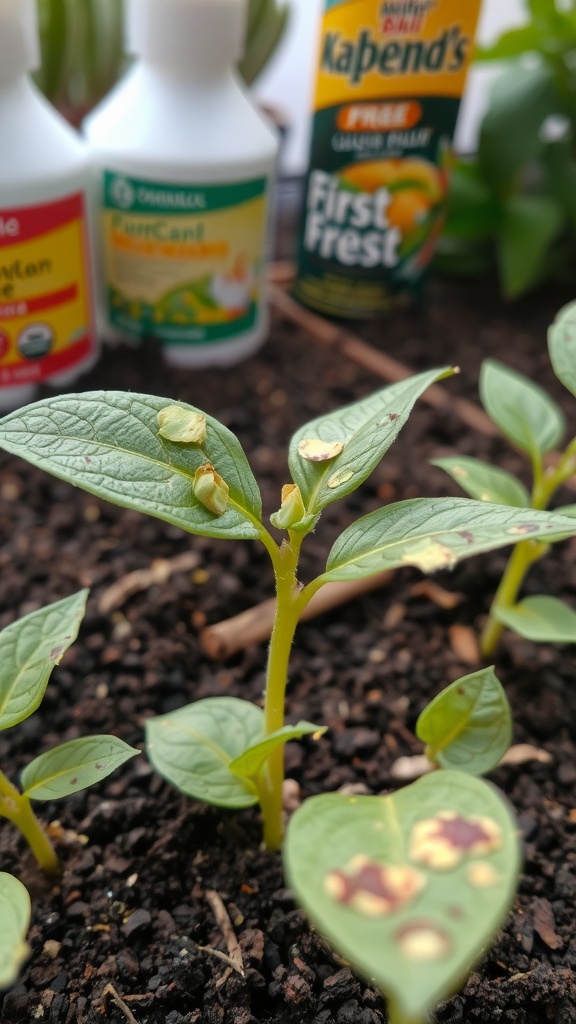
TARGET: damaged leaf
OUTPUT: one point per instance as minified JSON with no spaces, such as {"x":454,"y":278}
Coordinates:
{"x":176,"y":423}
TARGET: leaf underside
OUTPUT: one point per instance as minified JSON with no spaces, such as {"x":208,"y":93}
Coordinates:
{"x":15,"y":912}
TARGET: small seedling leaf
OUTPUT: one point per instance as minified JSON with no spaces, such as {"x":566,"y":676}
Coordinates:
{"x":353,"y":440}
{"x":194,"y":746}
{"x":15,"y":912}
{"x":73,"y":766}
{"x":540,"y":618}
{"x":510,"y":133}
{"x":409,"y":888}
{"x":468,"y":726}
{"x":250,"y":763}
{"x":29,"y":650}
{"x":484,"y":482}
{"x":562,"y":346}
{"x":434,"y":533}
{"x":522,"y":410}
{"x":108,"y":442}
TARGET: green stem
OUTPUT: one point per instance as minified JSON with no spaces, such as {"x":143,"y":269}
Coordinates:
{"x":18,"y":809}
{"x":525,"y":553}
{"x":397,"y":1016}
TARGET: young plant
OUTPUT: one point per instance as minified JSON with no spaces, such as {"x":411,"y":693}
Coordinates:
{"x":183,"y":466}
{"x":411,"y":886}
{"x":29,"y":650}
{"x":533,"y":422}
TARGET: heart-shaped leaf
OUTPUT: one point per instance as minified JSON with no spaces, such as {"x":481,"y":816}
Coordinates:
{"x":353,"y":440}
{"x":434,"y":533}
{"x":194,"y":746}
{"x":73,"y":766}
{"x":410,"y":887}
{"x":15,"y":912}
{"x":108,"y":442}
{"x":562,"y":346}
{"x":484,"y":482}
{"x":29,"y":650}
{"x":468,"y":726}
{"x":522,"y":410}
{"x":251,"y":762}
{"x":540,"y":618}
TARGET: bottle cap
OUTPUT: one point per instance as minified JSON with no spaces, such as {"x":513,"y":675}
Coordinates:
{"x":191,"y":34}
{"x":19,"y":42}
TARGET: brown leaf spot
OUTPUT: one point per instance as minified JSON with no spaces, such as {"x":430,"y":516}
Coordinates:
{"x":313,"y":449}
{"x":467,"y":536}
{"x":443,"y":841}
{"x":374,"y":889}
{"x":73,"y":782}
{"x":56,"y":652}
{"x":99,"y":767}
{"x":87,"y":458}
{"x":522,"y":530}
{"x":422,"y":941}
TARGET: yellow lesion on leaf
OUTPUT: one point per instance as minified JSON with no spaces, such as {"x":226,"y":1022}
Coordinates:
{"x":482,"y":875}
{"x":422,"y":941}
{"x":442,"y":842}
{"x":430,"y":555}
{"x":210,"y":489}
{"x":372,"y":888}
{"x":182,"y":425}
{"x":313,"y":449}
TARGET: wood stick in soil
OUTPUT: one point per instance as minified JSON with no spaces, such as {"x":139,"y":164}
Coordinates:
{"x":254,"y":625}
{"x":359,"y":351}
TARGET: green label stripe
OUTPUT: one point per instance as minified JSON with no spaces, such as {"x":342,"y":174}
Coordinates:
{"x":134,"y":195}
{"x":144,"y":326}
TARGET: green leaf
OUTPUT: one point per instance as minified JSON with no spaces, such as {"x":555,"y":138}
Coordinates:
{"x":484,"y":482}
{"x":194,"y":746}
{"x":73,"y":766}
{"x":359,"y":435}
{"x":566,"y":510}
{"x":521,"y":409}
{"x":15,"y":910}
{"x":529,"y":226}
{"x":29,"y":650}
{"x":468,"y":726}
{"x":562,"y":346}
{"x":108,"y":443}
{"x":542,"y":619}
{"x":357,"y":867}
{"x":520,"y":100}
{"x":513,"y":43}
{"x":267,"y":31}
{"x":249,"y":764}
{"x":434,"y":533}
{"x":473,"y":213}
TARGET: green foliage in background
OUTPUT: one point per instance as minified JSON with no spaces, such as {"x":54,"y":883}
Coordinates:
{"x":82,"y":52}
{"x":513,"y":205}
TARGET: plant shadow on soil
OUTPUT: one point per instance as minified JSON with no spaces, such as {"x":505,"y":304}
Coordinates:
{"x":130,"y":909}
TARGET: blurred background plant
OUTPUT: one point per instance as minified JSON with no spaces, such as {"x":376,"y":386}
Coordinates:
{"x":513,"y":204}
{"x":82,"y":52}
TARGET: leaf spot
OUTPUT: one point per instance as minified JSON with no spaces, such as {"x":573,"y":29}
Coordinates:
{"x":87,"y":458}
{"x":524,"y":528}
{"x":74,"y":781}
{"x":56,"y":652}
{"x":314,"y":450}
{"x":430,"y":555}
{"x":374,"y":889}
{"x":482,"y":875}
{"x":467,"y":536}
{"x":100,"y":767}
{"x":182,"y":425}
{"x":422,"y":941}
{"x":460,"y":472}
{"x":443,"y":841}
{"x":389,"y":418}
{"x":340,"y":478}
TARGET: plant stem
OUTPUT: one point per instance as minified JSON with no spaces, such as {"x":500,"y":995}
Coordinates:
{"x":18,"y":809}
{"x":288,"y":611}
{"x":396,"y":1016}
{"x":526,"y":552}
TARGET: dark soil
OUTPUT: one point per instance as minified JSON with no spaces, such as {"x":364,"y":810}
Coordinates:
{"x":130,"y":909}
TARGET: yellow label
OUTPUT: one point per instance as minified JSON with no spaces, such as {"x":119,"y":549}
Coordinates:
{"x":45,"y":312}
{"x":184,"y":264}
{"x":373,"y":48}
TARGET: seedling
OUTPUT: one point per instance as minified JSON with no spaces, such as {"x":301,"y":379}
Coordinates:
{"x":181,"y":465}
{"x":29,"y":650}
{"x":533,"y":422}
{"x":410,"y":887}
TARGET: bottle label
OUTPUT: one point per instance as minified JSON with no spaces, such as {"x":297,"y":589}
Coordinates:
{"x":388,"y":87}
{"x":184,"y":264}
{"x":45,"y":311}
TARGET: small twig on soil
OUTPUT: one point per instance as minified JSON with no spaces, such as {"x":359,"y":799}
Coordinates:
{"x":226,"y":638}
{"x":109,"y":990}
{"x":405,"y":769}
{"x":234,"y":957}
{"x":329,"y":333}
{"x":158,"y":572}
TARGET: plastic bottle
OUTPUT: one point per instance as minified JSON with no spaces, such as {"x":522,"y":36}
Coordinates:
{"x":186,"y":169}
{"x":390,"y":78}
{"x":46,"y":321}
